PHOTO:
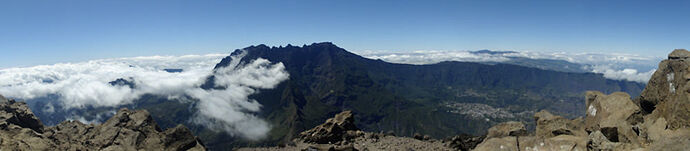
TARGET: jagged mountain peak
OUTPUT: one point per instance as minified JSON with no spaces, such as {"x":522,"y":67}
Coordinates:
{"x":289,"y":53}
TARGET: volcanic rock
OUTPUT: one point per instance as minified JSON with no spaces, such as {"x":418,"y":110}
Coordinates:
{"x":509,"y":143}
{"x":333,"y":130}
{"x":552,"y":133}
{"x":549,"y":125}
{"x":464,"y":142}
{"x":19,"y":114}
{"x":507,"y":129}
{"x":127,"y":130}
{"x":609,"y":114}
{"x":340,"y":134}
{"x":679,"y":54}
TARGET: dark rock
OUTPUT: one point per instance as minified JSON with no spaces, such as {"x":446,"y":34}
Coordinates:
{"x":597,"y":141}
{"x":180,"y":138}
{"x":464,"y":142}
{"x":611,"y":133}
{"x":332,"y":131}
{"x":123,"y":82}
{"x":418,"y":136}
{"x":18,"y":113}
{"x":561,"y":132}
{"x":390,"y":133}
{"x":173,"y":70}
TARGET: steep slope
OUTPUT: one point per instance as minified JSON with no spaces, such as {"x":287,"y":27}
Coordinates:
{"x":657,"y":121}
{"x":438,"y":99}
{"x":612,"y":122}
{"x":126,"y":130}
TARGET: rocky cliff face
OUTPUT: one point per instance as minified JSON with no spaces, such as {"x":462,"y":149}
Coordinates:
{"x":127,"y":130}
{"x":658,"y":120}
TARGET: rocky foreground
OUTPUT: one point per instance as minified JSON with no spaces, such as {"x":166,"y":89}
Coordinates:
{"x":658,"y":120}
{"x":340,"y":134}
{"x":20,"y":129}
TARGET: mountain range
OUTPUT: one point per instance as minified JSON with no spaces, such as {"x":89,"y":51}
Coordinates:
{"x":441,"y":100}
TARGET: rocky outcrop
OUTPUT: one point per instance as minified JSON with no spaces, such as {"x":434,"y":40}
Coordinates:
{"x":127,"y":130}
{"x":464,"y":142}
{"x":336,"y":129}
{"x":552,"y":133}
{"x":507,"y":129}
{"x":340,"y":134}
{"x":17,"y":113}
{"x":658,"y":120}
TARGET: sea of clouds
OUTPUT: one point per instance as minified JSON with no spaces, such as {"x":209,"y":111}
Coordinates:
{"x":86,"y":84}
{"x":618,"y":66}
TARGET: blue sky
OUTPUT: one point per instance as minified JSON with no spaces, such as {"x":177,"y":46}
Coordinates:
{"x":46,"y":32}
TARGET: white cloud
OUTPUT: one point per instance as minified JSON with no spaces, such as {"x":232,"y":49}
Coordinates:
{"x":431,"y":57}
{"x":87,"y":84}
{"x":618,"y":66}
{"x":230,"y":105}
{"x":625,"y":74}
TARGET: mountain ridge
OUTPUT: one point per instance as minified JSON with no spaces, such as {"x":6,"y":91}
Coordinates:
{"x":326,"y":79}
{"x":439,"y":100}
{"x":613,"y":122}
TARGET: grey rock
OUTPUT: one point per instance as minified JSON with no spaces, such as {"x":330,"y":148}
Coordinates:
{"x":464,"y":142}
{"x":549,"y":125}
{"x":507,"y":129}
{"x":679,"y":54}
{"x":127,"y":130}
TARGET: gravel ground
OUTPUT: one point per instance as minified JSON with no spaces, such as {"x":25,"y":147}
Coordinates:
{"x":368,"y":142}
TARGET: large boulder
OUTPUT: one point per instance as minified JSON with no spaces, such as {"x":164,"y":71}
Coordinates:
{"x":336,"y":129}
{"x":549,"y":125}
{"x":464,"y":142}
{"x":552,"y":133}
{"x":613,"y":116}
{"x":18,"y":113}
{"x":667,"y":91}
{"x":679,"y":54}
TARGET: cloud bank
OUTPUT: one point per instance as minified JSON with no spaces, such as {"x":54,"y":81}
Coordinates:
{"x":87,"y":84}
{"x":229,"y":109}
{"x":617,"y":66}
